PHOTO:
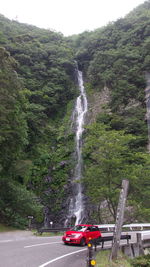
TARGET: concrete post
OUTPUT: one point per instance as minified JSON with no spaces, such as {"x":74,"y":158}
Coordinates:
{"x":140,"y":245}
{"x":119,"y":219}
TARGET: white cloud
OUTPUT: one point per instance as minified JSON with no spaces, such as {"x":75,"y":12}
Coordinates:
{"x":67,"y":16}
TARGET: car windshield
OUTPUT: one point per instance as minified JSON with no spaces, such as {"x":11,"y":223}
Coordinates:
{"x":79,"y":228}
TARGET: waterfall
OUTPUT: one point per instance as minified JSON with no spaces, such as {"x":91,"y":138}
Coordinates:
{"x":76,"y":206}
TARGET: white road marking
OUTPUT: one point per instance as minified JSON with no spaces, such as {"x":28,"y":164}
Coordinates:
{"x":63,"y":256}
{"x":42,"y":244}
{"x":48,"y":237}
{"x":5,"y":241}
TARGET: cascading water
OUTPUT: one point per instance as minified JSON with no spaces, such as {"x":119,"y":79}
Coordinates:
{"x":76,"y":206}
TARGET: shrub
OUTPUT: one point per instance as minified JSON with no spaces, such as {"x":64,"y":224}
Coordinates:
{"x":142,"y":261}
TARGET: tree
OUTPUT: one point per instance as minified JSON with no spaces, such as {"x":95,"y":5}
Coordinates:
{"x":109,"y":159}
{"x":13,"y":133}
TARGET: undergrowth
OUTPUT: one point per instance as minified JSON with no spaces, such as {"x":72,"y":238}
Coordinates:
{"x":102,"y":260}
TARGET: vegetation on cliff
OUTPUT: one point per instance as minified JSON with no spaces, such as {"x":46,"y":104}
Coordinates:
{"x":37,"y":82}
{"x":116,"y":58}
{"x":38,"y":88}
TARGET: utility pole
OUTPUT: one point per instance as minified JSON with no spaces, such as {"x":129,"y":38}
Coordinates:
{"x":119,"y":219}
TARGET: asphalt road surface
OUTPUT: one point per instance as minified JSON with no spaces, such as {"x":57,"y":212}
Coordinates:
{"x":22,"y":249}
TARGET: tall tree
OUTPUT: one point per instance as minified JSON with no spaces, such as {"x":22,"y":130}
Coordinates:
{"x":109,"y":159}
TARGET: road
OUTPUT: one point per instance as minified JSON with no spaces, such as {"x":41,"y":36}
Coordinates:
{"x":22,"y":249}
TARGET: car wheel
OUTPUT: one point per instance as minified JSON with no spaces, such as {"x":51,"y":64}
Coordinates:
{"x":82,"y":242}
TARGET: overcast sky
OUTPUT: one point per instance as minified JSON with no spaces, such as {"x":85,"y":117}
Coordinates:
{"x":67,"y":16}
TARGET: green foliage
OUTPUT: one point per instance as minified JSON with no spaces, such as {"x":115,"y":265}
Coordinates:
{"x":142,"y":261}
{"x":109,"y":159}
{"x":117,"y":55}
{"x":132,"y":121}
{"x":13,"y":133}
{"x":4,"y":228}
{"x":38,"y":84}
{"x":17,"y":203}
{"x":51,"y":171}
{"x":102,"y":260}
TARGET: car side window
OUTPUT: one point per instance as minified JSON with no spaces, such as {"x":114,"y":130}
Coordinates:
{"x":94,"y":229}
{"x":89,"y":229}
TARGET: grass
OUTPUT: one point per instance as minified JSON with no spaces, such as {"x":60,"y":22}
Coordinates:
{"x":102,"y":260}
{"x":4,"y":228}
{"x":141,"y":261}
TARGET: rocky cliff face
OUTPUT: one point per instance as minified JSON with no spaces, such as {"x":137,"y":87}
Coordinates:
{"x":98,"y":102}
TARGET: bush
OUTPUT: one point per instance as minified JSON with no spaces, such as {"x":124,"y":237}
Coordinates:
{"x":142,"y":261}
{"x":102,"y":260}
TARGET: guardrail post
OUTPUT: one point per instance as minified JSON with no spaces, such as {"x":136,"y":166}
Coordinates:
{"x":90,"y":261}
{"x":140,"y":245}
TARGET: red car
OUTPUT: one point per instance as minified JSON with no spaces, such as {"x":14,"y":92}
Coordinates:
{"x":81,"y":234}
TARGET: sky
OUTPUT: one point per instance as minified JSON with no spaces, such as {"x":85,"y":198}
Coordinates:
{"x":67,"y":16}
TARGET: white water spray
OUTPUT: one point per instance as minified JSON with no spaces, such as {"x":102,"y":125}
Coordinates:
{"x":76,"y":207}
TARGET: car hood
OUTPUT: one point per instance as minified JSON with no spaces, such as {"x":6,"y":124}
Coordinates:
{"x":73,"y":232}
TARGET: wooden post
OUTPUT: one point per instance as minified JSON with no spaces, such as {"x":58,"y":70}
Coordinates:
{"x":119,"y":219}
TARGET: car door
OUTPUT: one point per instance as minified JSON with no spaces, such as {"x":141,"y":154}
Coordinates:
{"x":89,"y":233}
{"x":95,"y":232}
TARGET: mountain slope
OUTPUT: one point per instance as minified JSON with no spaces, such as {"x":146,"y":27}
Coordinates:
{"x":38,"y":89}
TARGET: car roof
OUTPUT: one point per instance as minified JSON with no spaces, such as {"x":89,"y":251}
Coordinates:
{"x":85,"y":225}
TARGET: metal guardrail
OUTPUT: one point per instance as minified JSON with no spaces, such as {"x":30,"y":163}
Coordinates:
{"x":52,"y":230}
{"x":110,"y":238}
{"x":128,"y":227}
{"x":138,"y":248}
{"x":92,"y":246}
{"x":130,"y":249}
{"x":146,"y":243}
{"x":102,"y":227}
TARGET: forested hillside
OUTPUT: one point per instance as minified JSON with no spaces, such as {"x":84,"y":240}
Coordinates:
{"x":37,"y":85}
{"x":115,"y":61}
{"x":38,"y":89}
